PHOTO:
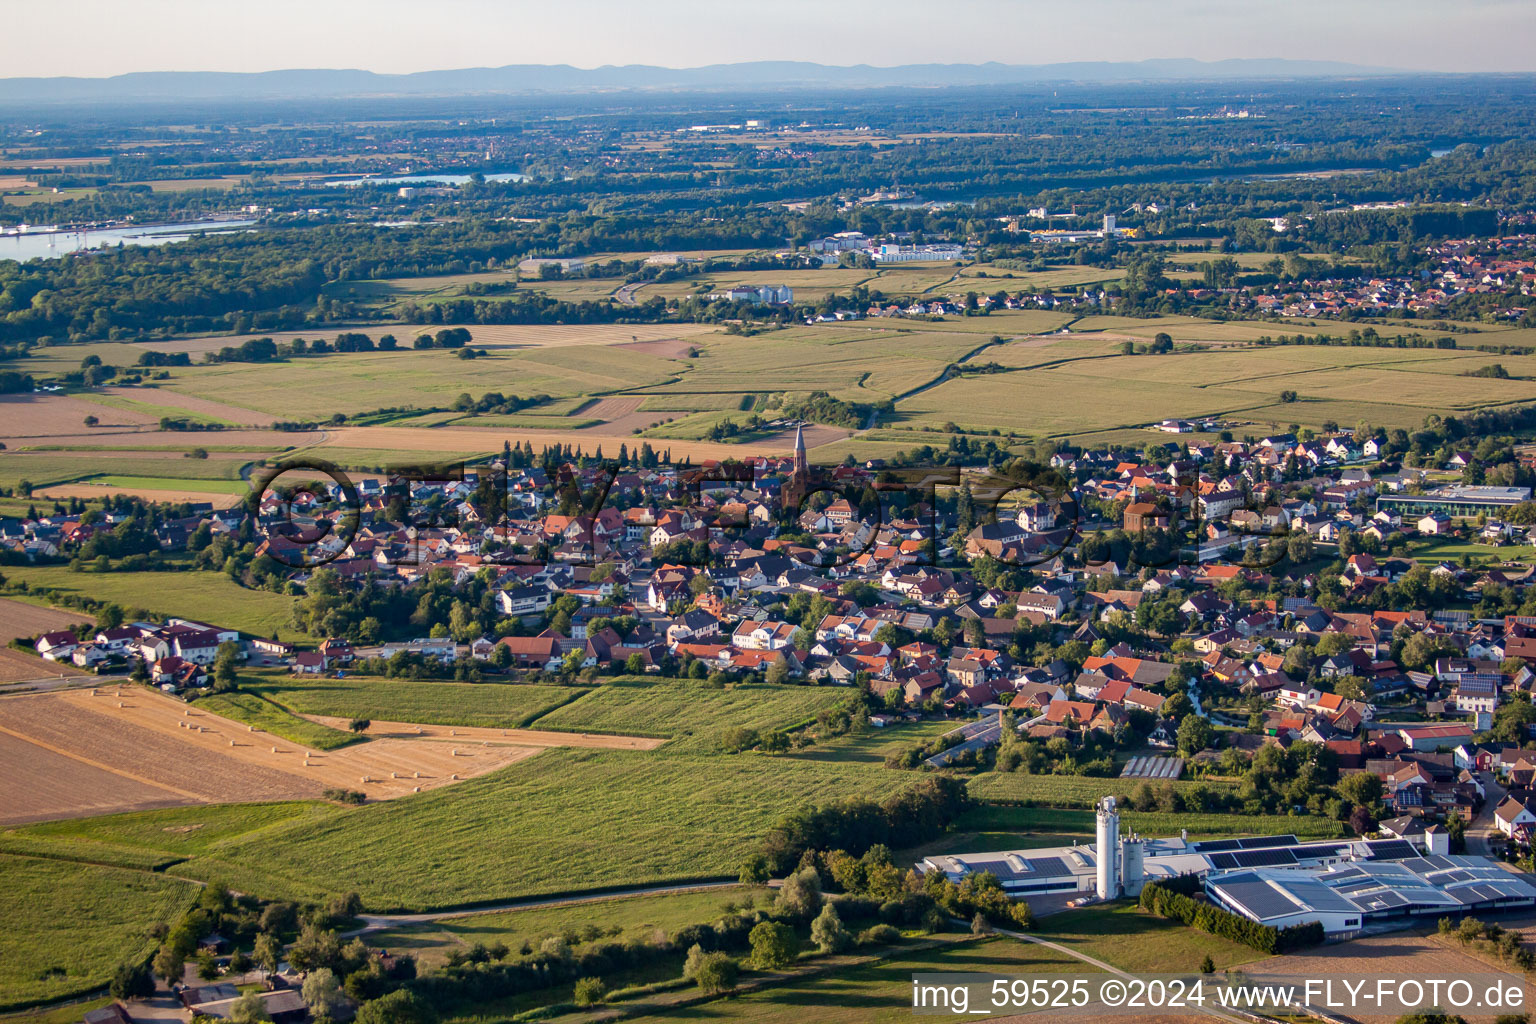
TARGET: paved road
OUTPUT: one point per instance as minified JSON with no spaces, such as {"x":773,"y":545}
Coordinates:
{"x":1481,"y":828}
{"x":625,"y":296}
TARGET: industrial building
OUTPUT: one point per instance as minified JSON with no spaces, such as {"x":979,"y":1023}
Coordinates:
{"x":1274,"y":880}
{"x":1455,"y":500}
{"x":1348,"y":897}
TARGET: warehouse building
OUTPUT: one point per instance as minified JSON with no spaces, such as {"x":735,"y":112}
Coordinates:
{"x":1347,"y":898}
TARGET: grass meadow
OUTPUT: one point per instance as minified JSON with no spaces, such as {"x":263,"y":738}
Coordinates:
{"x":201,"y":595}
{"x":67,"y":926}
{"x":254,"y":709}
{"x":638,"y":918}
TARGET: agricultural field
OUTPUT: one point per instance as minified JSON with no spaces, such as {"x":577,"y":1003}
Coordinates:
{"x":873,"y":993}
{"x":253,"y":709}
{"x":623,"y":919}
{"x":689,"y":712}
{"x":67,"y":926}
{"x":1082,"y":396}
{"x":1124,"y":935}
{"x":562,"y":821}
{"x":158,"y":837}
{"x":19,"y":619}
{"x":128,"y":748}
{"x":193,"y":594}
{"x":489,"y":705}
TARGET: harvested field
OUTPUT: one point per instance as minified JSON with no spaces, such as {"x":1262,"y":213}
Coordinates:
{"x":1396,"y":955}
{"x":156,"y":743}
{"x":406,"y":440}
{"x":620,"y":414}
{"x":467,"y":734}
{"x":42,"y":415}
{"x":17,"y":618}
{"x":42,"y":784}
{"x":20,"y":667}
{"x":485,"y":335}
{"x":671,"y":348}
{"x":816,"y":435}
{"x":93,"y":492}
{"x":192,"y":404}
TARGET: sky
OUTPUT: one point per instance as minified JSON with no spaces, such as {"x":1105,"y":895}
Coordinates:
{"x":99,"y":38}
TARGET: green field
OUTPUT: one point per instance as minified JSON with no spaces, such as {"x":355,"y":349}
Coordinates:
{"x":689,"y":711}
{"x":193,"y":594}
{"x":1080,"y":385}
{"x":872,"y":993}
{"x":57,"y":467}
{"x":493,"y":705}
{"x":68,"y":925}
{"x":173,"y":833}
{"x":1124,"y":935}
{"x":361,"y":382}
{"x":638,"y":918}
{"x":563,"y":820}
{"x":253,"y":709}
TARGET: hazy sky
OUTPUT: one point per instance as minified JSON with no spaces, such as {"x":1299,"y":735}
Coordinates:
{"x":95,"y":38}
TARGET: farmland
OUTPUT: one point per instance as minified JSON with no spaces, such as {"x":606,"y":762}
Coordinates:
{"x":639,"y":818}
{"x":638,"y":918}
{"x":69,"y":925}
{"x":194,"y":594}
{"x":692,"y":714}
{"x":492,"y":705}
{"x":18,"y":619}
{"x":84,"y":751}
{"x":253,"y":709}
{"x":1128,"y":937}
{"x":872,"y":993}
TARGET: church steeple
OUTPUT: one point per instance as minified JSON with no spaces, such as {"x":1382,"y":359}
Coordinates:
{"x":800,"y":462}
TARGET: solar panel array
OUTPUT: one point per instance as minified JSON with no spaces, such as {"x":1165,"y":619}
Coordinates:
{"x":1252,"y":859}
{"x":1391,"y":849}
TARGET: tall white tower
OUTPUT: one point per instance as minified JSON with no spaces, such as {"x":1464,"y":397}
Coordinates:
{"x":1107,"y":849}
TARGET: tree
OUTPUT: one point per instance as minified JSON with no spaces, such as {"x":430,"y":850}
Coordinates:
{"x":323,"y":993}
{"x":249,"y":1009}
{"x":401,"y":1006}
{"x":800,"y":895}
{"x":754,"y":870}
{"x":827,"y":931}
{"x":980,"y":925}
{"x":1362,"y":789}
{"x":268,"y":952}
{"x":359,"y":725}
{"x":715,"y":973}
{"x":169,"y":964}
{"x":132,"y":981}
{"x":1207,"y":966}
{"x":773,"y":945}
{"x":590,"y":991}
{"x":1195,"y":734}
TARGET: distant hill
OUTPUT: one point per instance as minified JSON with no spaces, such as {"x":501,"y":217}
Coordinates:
{"x":533,"y":79}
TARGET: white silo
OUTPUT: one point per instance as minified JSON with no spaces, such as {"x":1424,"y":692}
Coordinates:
{"x":1132,"y":866}
{"x":1107,"y":849}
